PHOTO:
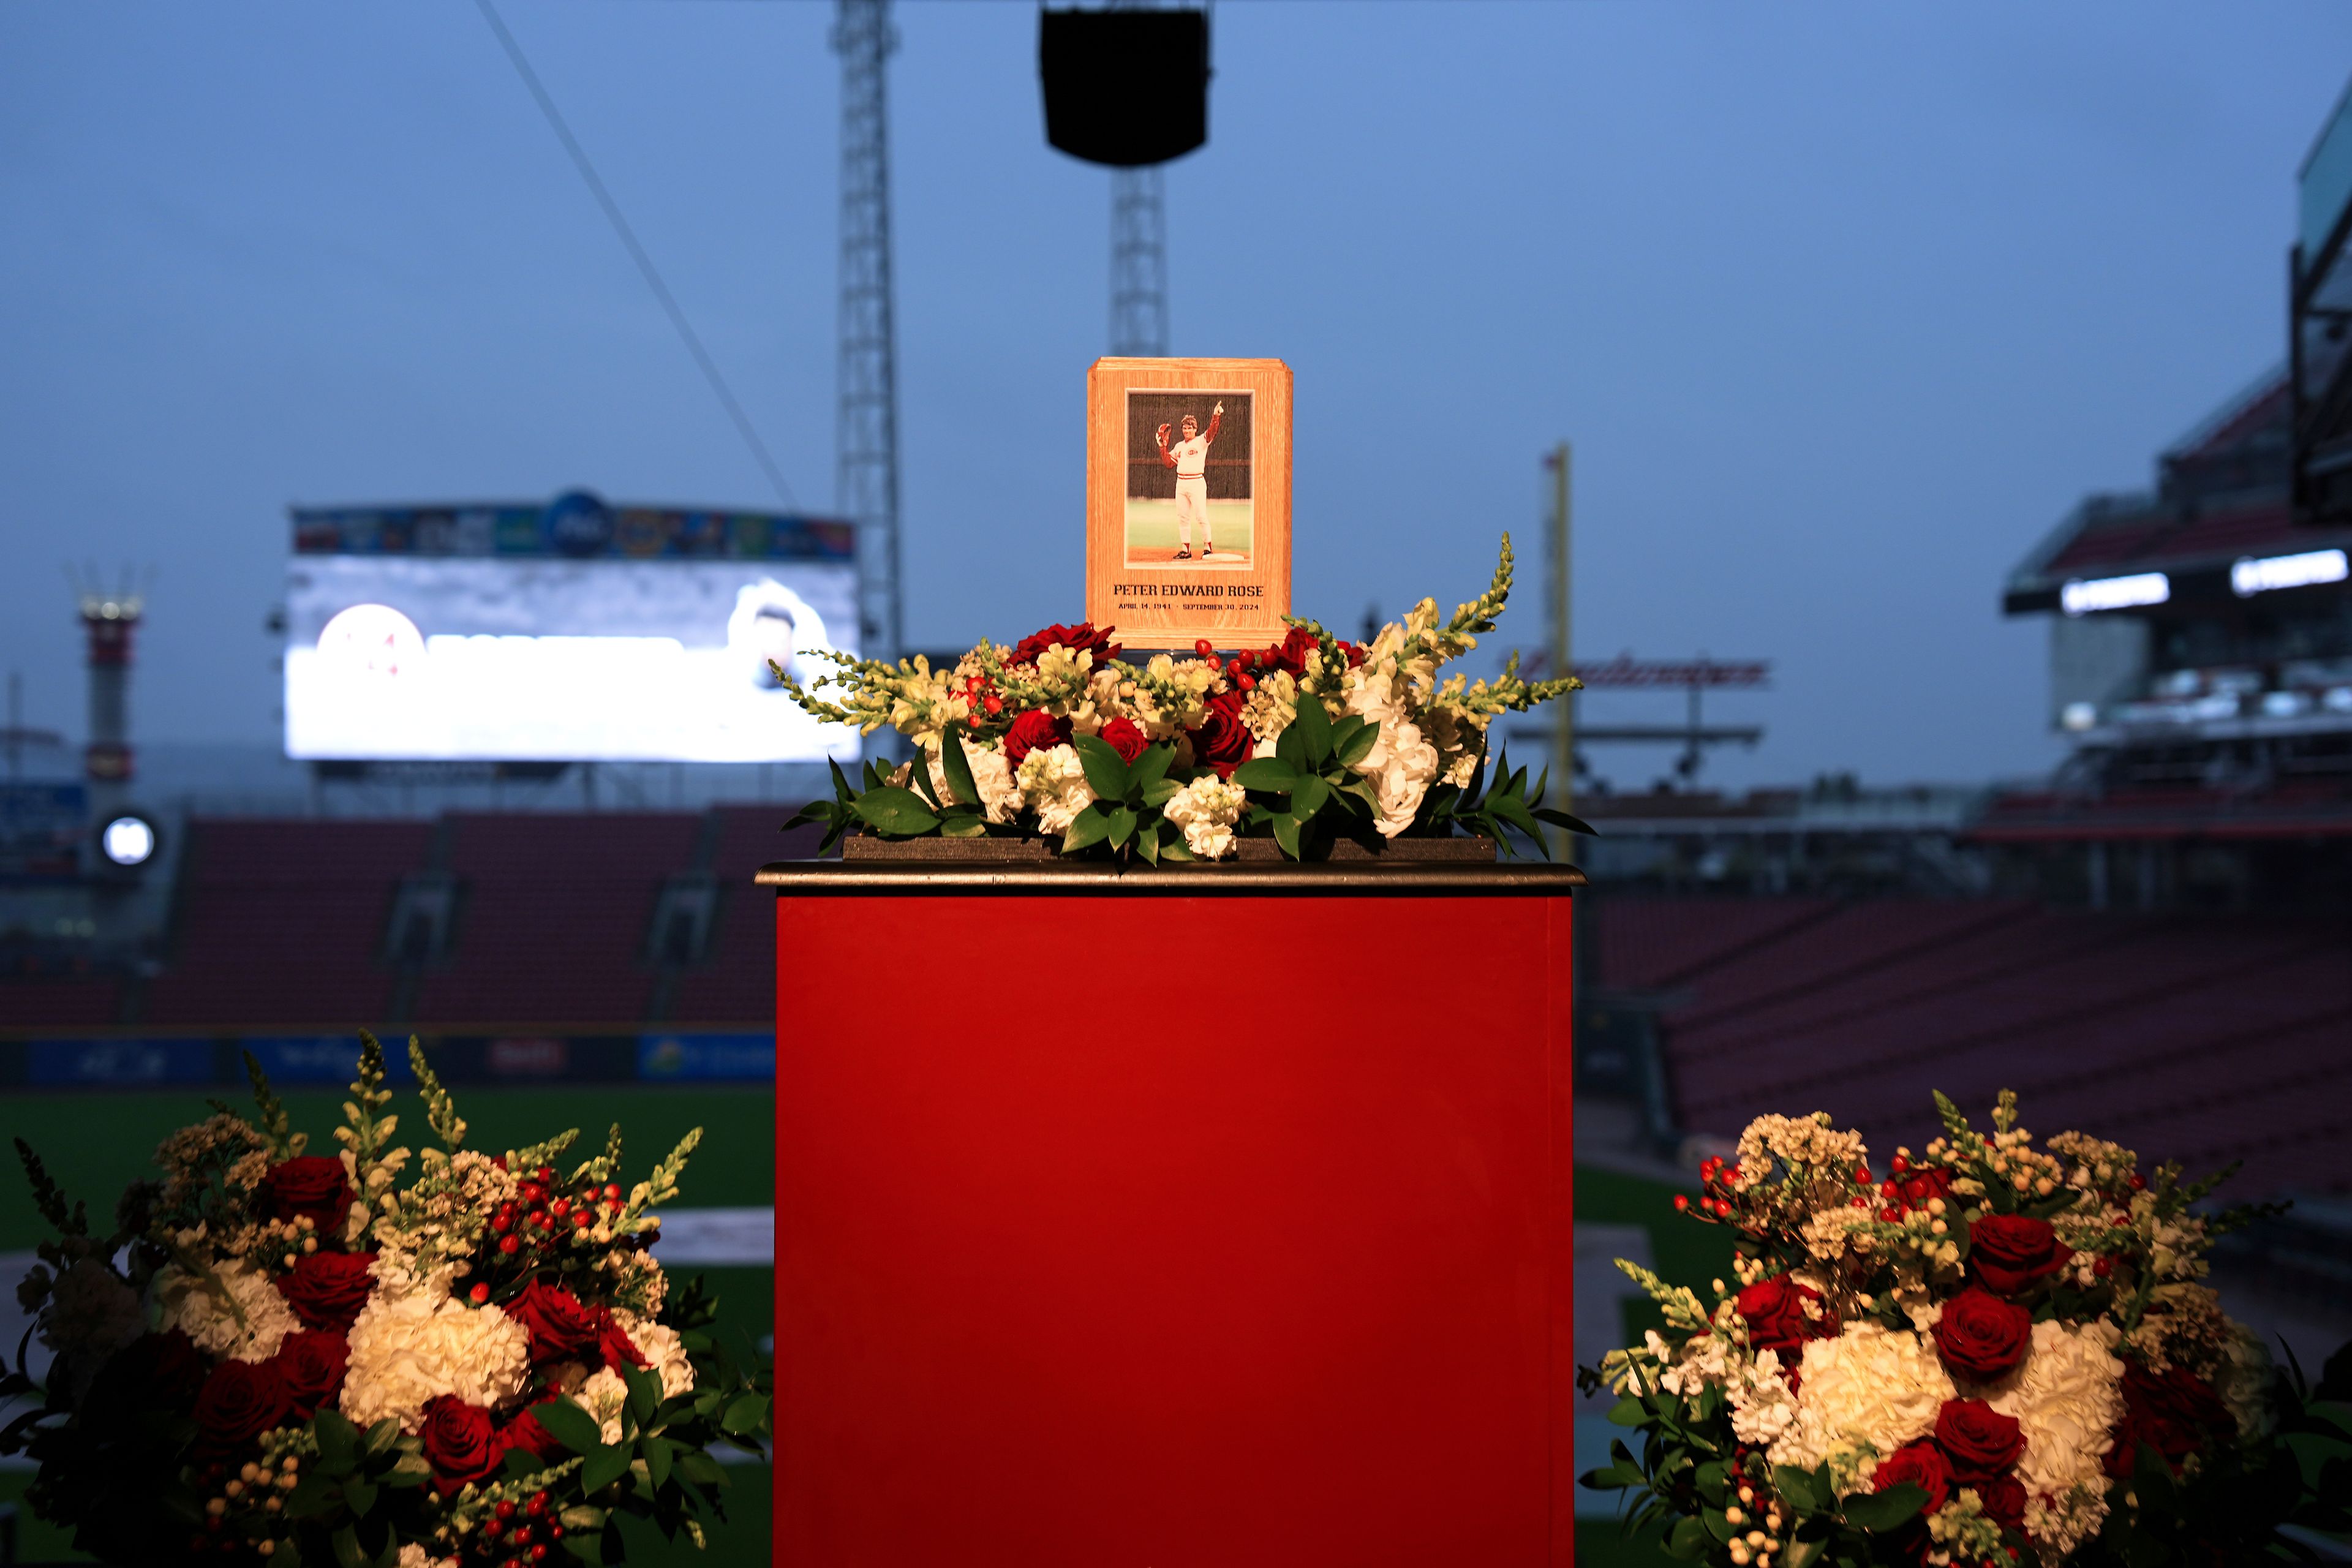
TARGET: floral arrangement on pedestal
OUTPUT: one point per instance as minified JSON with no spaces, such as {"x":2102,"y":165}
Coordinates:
{"x":372,"y":1357}
{"x":1307,"y":742}
{"x":1988,"y":1354}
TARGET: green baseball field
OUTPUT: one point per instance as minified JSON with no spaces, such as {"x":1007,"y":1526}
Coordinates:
{"x":1152,"y":536}
{"x":96,"y":1143}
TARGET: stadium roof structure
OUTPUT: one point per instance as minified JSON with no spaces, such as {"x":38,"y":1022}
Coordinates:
{"x":2222,"y":496}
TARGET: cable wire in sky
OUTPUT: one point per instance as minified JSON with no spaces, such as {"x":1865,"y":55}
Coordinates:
{"x":638,"y":252}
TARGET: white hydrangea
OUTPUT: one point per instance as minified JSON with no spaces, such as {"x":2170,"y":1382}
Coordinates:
{"x":1052,"y":779}
{"x":92,"y":1312}
{"x":197,"y":1308}
{"x":407,"y":1351}
{"x":1865,"y":1393}
{"x":1206,"y":809}
{"x":1401,"y":764}
{"x":2067,"y":1397}
{"x":412,"y":1555}
{"x":663,"y":1350}
{"x":2243,"y":1380}
{"x":1000,"y":797}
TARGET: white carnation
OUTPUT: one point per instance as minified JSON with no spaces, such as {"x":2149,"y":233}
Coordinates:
{"x":664,"y":1352}
{"x":2067,"y":1397}
{"x":602,"y":1397}
{"x":1865,"y":1393}
{"x":1206,"y":809}
{"x":197,"y":1308}
{"x":1052,"y":779}
{"x":1000,"y":797}
{"x":408,"y":1351}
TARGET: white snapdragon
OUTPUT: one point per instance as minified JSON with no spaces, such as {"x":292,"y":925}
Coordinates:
{"x":407,"y":1351}
{"x":197,"y":1308}
{"x":603,"y":1397}
{"x":1206,"y":809}
{"x":1053,"y":780}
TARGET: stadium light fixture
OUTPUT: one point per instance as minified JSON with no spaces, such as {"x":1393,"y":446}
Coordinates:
{"x":2262,"y":574}
{"x":128,"y":841}
{"x":2083,"y":596}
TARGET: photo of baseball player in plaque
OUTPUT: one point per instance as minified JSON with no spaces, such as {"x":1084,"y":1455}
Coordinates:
{"x":1188,"y":496}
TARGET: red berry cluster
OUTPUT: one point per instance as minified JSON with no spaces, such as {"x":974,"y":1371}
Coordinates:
{"x":516,"y":1537}
{"x":982,"y":695}
{"x":528,"y":1228}
{"x":1716,"y":1178}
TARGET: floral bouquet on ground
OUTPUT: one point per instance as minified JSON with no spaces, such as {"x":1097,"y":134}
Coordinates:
{"x":1307,"y":742}
{"x":1991,"y":1354}
{"x":348,"y":1359}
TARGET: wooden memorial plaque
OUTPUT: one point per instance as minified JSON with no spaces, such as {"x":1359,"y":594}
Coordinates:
{"x":1188,"y":500}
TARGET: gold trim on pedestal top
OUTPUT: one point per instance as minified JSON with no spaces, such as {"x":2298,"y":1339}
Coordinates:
{"x":1358,"y":878}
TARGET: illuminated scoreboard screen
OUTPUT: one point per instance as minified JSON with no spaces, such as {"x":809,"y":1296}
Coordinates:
{"x":565,"y":632}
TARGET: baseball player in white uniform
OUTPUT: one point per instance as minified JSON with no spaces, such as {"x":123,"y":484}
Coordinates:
{"x":1190,"y":458}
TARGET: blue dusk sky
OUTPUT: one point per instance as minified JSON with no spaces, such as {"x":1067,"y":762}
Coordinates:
{"x":1843,"y":307}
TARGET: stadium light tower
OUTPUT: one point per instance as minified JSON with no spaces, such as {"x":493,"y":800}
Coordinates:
{"x":865,"y":471}
{"x":1127,"y":86}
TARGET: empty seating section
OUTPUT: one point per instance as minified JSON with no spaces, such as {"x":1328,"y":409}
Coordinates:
{"x":552,"y":925}
{"x":281,"y":924}
{"x":72,"y":1002}
{"x":737,"y":984}
{"x":2204,"y":1040}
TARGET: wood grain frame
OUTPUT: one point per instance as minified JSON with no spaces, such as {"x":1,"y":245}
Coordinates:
{"x":1156,"y":608}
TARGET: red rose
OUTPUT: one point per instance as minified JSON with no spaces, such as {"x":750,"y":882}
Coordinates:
{"x":1122,"y":736}
{"x":1083,"y":638}
{"x":2004,"y":1502}
{"x":2010,"y":1252}
{"x":1776,"y":1319}
{"x":1923,"y":1465}
{"x":561,"y":1327}
{"x":460,"y":1443}
{"x":2177,"y":1413}
{"x":1290,"y":654}
{"x":1034,"y":730}
{"x":525,"y":1432}
{"x":239,"y":1402}
{"x":1978,"y":1441}
{"x":311,"y":1363}
{"x":614,"y":1346}
{"x":311,"y":1184}
{"x":327,"y":1289}
{"x":1222,"y":741}
{"x":1983,"y":1337}
{"x":1355,"y":655}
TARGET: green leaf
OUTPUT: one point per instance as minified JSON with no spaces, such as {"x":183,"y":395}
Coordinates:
{"x":347,"y":1548}
{"x":1629,"y":1412}
{"x":603,"y":1466}
{"x":1148,"y":769}
{"x":958,"y":769}
{"x":658,"y":1452}
{"x":382,"y":1436}
{"x":961,"y":823}
{"x":1309,"y":798}
{"x":645,"y":1392}
{"x":892,"y":808}
{"x":1797,"y":1485}
{"x":1272,"y":774}
{"x":697,"y":1465}
{"x":1290,"y":746}
{"x":569,"y":1424}
{"x":921,"y":773}
{"x":1886,"y":1510}
{"x":1160,"y":791}
{"x":361,"y":1495}
{"x":1313,"y":727}
{"x":1122,"y":822}
{"x":1089,"y":827}
{"x":1285,"y":833}
{"x":1344,"y":729}
{"x":841,"y":791}
{"x":308,"y":1496}
{"x":1106,"y":769}
{"x":1687,"y":1541}
{"x":339,"y":1442}
{"x":744,"y":1415}
{"x":1578,"y":824}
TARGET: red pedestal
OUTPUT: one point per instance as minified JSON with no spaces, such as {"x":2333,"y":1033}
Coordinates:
{"x":1208,"y":1218}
